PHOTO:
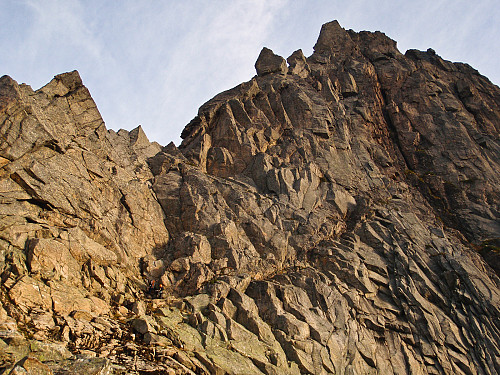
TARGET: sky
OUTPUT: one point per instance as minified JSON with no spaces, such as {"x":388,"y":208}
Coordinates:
{"x":155,"y":62}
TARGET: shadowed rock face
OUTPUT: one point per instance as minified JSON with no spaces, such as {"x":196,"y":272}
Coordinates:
{"x":336,"y":215}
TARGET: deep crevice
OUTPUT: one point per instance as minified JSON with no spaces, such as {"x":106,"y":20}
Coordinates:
{"x":43,"y":204}
{"x":54,"y":145}
{"x":393,"y":132}
{"x":124,"y":203}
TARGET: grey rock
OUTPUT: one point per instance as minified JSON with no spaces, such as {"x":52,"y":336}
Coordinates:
{"x":143,"y":325}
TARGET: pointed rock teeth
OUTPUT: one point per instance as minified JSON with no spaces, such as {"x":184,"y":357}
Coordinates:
{"x":62,"y":84}
{"x":332,"y":40}
{"x":71,"y":80}
{"x":298,"y":64}
{"x":9,"y":92}
{"x":268,"y":62}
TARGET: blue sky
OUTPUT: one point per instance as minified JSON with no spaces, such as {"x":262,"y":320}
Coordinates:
{"x":153,"y":62}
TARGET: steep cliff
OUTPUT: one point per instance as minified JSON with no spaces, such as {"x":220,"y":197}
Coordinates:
{"x":335,"y":214}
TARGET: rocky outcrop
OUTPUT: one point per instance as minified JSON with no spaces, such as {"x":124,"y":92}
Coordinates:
{"x":336,"y":215}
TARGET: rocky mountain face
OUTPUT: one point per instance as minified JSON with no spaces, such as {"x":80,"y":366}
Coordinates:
{"x":336,"y":214}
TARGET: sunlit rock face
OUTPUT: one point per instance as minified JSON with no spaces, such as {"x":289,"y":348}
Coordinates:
{"x":338,"y":214}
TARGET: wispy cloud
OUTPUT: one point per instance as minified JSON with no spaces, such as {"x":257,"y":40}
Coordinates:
{"x":211,"y":50}
{"x":216,"y":55}
{"x":58,"y":22}
{"x":56,"y":36}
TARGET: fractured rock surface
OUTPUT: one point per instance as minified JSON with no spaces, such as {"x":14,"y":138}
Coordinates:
{"x":336,"y":215}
